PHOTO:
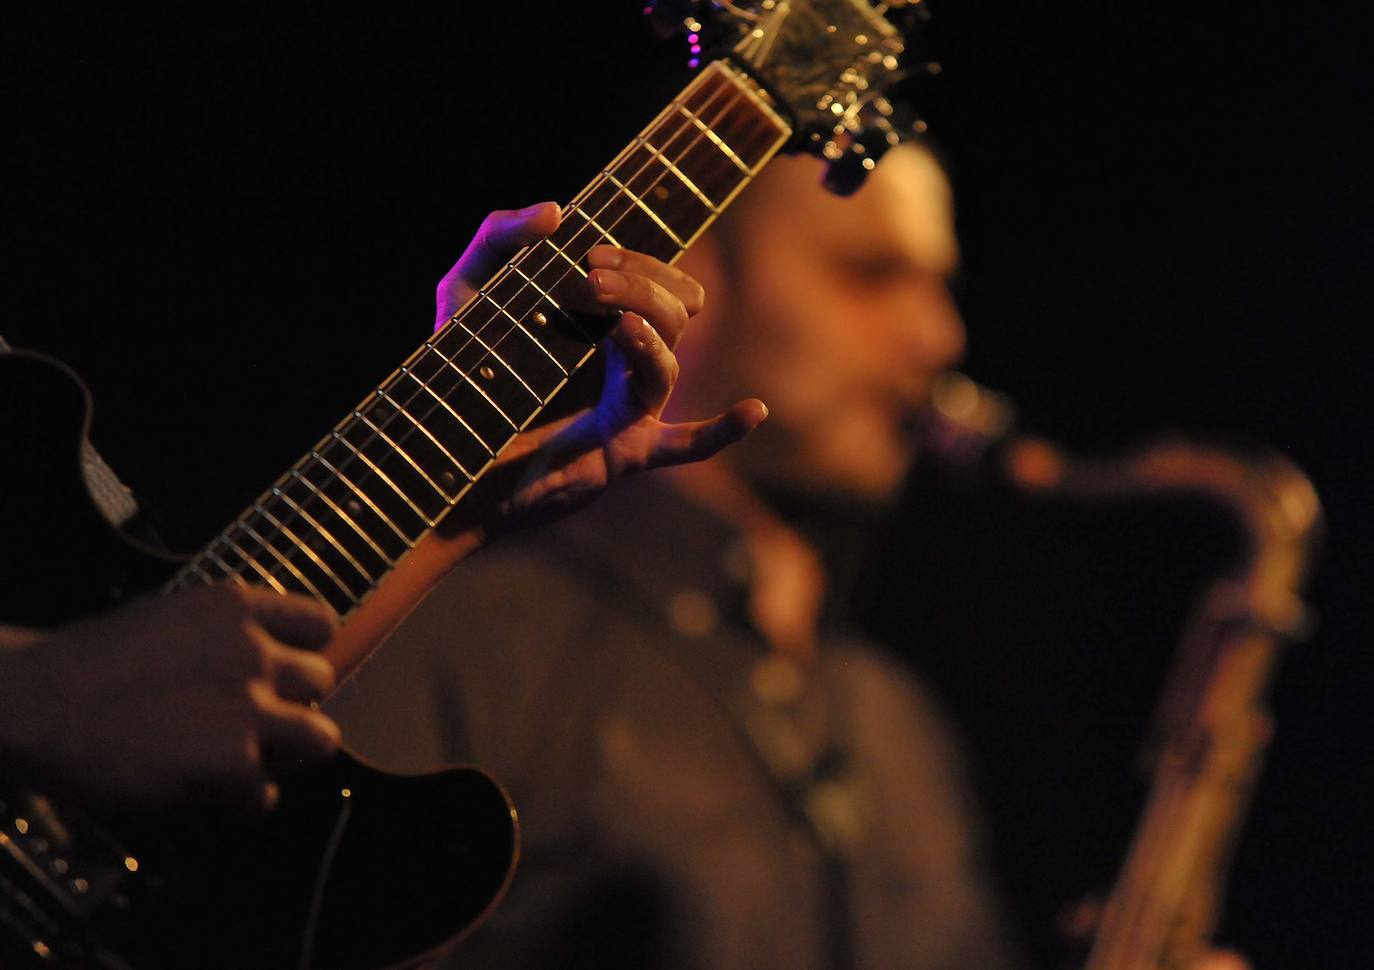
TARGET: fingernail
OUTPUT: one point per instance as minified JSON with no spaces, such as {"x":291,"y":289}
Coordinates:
{"x":608,"y":282}
{"x":605,"y":256}
{"x":530,"y":210}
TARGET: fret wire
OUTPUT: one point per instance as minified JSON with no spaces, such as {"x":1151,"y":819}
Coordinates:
{"x":682,"y":155}
{"x":422,"y":429}
{"x":211,"y":580}
{"x":739,"y":93}
{"x":767,"y":110}
{"x":691,"y":186}
{"x":652,"y":128}
{"x":384,"y":477}
{"x":257,"y":566}
{"x":568,"y":259}
{"x":491,"y":350}
{"x":362,"y":534}
{"x":539,"y":289}
{"x":604,"y":176}
{"x":698,"y":82}
{"x":780,"y":137}
{"x":396,"y":447}
{"x":329,"y":536}
{"x":716,"y":140}
{"x":674,"y":111}
{"x":338,"y":471}
{"x":310,"y":553}
{"x":233,"y":573}
{"x":606,"y":233}
{"x":363,"y":495}
{"x":763,"y":112}
{"x":736,"y":93}
{"x":472,"y":477}
{"x":386,"y":392}
{"x":354,"y":487}
{"x":698,"y":118}
{"x":248,"y":561}
{"x":517,"y":325}
{"x":658,"y":221}
{"x":661,"y":119}
{"x":534,"y":340}
{"x":478,"y":388}
{"x":290,"y":566}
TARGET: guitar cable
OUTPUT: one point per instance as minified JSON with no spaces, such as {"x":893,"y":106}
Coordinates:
{"x":331,"y":849}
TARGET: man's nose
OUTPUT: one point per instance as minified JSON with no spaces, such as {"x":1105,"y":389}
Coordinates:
{"x":936,"y":330}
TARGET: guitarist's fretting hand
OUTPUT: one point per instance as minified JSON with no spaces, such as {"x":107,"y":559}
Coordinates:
{"x":561,"y":466}
{"x":170,"y":698}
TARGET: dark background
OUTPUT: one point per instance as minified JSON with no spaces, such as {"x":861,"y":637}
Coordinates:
{"x":231,"y":224}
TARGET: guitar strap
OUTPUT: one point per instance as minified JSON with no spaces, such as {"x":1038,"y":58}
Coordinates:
{"x":112,"y":497}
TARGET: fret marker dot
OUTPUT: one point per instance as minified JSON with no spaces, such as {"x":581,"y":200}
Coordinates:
{"x":660,"y":192}
{"x":540,"y":319}
{"x":353,"y":506}
{"x":486,"y":371}
{"x":448,"y":479}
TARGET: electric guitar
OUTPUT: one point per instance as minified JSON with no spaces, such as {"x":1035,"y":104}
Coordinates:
{"x":358,"y":868}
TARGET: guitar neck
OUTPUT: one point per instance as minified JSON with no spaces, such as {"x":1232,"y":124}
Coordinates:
{"x":341,"y":517}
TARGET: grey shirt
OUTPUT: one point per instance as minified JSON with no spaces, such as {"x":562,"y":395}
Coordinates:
{"x":686,"y":800}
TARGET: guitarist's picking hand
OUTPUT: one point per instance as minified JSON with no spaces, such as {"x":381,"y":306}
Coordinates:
{"x":561,"y":466}
{"x":171,"y":698}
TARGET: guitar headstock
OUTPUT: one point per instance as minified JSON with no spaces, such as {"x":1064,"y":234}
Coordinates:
{"x":829,"y":63}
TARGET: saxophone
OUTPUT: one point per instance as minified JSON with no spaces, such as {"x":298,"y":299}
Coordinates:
{"x":1211,"y":729}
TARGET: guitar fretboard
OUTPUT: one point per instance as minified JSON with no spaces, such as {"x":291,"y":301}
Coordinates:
{"x":366,"y":493}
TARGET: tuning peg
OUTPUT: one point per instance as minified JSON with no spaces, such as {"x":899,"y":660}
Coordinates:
{"x":845,"y":174}
{"x":885,"y":125}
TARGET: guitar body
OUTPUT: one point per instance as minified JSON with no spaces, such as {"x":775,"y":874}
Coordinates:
{"x":356,"y":868}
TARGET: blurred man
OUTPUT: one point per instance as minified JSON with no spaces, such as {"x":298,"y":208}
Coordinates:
{"x":711,"y":771}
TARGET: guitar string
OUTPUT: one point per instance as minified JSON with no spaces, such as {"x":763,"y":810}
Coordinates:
{"x":432,"y":346}
{"x":387,"y":388}
{"x":657,"y":128}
